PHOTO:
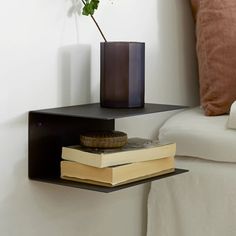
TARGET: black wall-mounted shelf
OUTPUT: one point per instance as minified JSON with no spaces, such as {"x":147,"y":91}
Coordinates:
{"x":51,"y":129}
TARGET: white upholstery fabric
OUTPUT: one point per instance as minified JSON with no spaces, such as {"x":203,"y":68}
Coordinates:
{"x":231,"y":124}
{"x":200,"y":136}
{"x":201,"y":202}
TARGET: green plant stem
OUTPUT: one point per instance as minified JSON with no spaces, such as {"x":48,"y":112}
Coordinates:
{"x":96,"y":24}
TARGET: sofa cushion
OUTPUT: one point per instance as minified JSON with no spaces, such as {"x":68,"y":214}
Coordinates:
{"x":216,"y":51}
{"x":197,"y":135}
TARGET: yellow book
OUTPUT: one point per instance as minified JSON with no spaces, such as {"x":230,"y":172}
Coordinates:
{"x":136,"y":150}
{"x":115,"y":175}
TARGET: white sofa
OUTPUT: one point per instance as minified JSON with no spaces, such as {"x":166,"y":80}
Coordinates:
{"x":201,"y":202}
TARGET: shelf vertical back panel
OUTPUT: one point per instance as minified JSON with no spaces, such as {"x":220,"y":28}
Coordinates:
{"x":49,"y":133}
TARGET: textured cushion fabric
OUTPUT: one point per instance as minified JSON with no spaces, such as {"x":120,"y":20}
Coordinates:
{"x":197,"y":135}
{"x":198,"y":203}
{"x":216,"y":51}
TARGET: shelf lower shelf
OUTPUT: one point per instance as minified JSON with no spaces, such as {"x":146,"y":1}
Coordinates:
{"x":104,"y":189}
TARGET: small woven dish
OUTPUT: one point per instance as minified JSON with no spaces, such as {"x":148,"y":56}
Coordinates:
{"x":103,"y":139}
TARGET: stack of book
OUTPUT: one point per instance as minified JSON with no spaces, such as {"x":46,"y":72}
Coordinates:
{"x":138,"y":159}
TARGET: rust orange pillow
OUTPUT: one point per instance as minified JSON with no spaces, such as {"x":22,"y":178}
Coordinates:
{"x":216,"y":51}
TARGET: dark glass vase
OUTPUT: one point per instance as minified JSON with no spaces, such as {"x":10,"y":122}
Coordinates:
{"x":122,"y":74}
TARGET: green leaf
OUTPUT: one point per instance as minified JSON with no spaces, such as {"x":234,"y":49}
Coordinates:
{"x":94,"y":4}
{"x":90,"y":6}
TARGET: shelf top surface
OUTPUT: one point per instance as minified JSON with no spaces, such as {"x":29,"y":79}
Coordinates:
{"x":95,"y":111}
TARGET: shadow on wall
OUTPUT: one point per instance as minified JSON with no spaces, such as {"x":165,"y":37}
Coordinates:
{"x":38,"y":209}
{"x":34,"y":208}
{"x":74,"y":69}
{"x":177,"y":43}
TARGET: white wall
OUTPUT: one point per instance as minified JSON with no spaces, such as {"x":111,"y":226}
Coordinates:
{"x":33,"y":35}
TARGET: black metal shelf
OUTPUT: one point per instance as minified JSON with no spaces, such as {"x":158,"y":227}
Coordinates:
{"x":51,"y":129}
{"x":104,"y":189}
{"x":95,"y":111}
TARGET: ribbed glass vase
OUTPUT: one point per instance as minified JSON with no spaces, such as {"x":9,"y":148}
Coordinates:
{"x":122,"y":74}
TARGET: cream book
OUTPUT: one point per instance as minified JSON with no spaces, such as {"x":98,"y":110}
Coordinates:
{"x":136,"y":150}
{"x":116,"y":175}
